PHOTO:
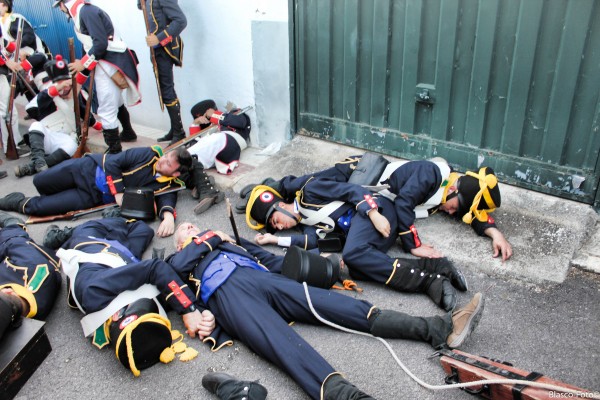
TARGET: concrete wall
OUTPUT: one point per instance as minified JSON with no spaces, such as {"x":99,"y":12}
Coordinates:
{"x":235,"y":51}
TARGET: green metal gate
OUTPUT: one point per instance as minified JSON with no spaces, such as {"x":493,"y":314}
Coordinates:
{"x":511,"y":84}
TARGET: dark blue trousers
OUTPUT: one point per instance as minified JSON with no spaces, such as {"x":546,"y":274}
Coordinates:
{"x":165,"y":76}
{"x":256,"y":307}
{"x":68,"y":186}
{"x":365,"y":250}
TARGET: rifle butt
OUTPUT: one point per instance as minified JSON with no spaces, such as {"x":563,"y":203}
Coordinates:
{"x":463,"y":367}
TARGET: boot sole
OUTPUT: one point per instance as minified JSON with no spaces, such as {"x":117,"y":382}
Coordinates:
{"x":470,"y":326}
{"x":204,"y":205}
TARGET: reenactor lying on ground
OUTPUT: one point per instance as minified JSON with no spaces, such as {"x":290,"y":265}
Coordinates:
{"x":29,"y":275}
{"x":255,"y":306}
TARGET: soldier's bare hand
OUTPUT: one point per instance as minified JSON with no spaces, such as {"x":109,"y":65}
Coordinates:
{"x":192,"y":322}
{"x":207,"y":325}
{"x":13,"y":65}
{"x":426,"y":251}
{"x":266,"y":238}
{"x":380,"y":223}
{"x":167,"y":226}
{"x":76,"y":66}
{"x":152,"y":40}
{"x":224,"y":237}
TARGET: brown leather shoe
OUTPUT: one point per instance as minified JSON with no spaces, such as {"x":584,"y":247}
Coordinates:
{"x":464,"y":321}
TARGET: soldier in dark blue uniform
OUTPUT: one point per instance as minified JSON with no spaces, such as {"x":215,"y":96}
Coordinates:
{"x":166,"y":21}
{"x":115,"y":65}
{"x":98,"y":179}
{"x":368,"y":224}
{"x":110,"y":284}
{"x":254,"y":305}
{"x":29,"y":274}
{"x":417,"y":189}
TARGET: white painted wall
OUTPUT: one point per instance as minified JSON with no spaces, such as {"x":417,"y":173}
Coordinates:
{"x":218,"y":60}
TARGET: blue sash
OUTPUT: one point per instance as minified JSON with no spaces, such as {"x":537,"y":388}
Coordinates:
{"x":344,"y":220}
{"x":220,"y":269}
{"x":102,"y":186}
{"x":118,"y":246}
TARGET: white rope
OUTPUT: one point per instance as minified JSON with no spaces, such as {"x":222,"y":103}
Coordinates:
{"x":588,"y":395}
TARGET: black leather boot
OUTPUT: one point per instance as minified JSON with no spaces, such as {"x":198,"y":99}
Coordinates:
{"x":227,"y":387}
{"x":13,"y":202}
{"x":336,"y":387}
{"x":392,"y":324}
{"x":240,"y":208}
{"x":128,"y":134}
{"x":25,"y":169}
{"x":7,"y":220}
{"x":407,"y":277}
{"x":36,"y":142}
{"x":54,"y":237}
{"x":205,"y":189}
{"x":445,"y":267}
{"x":113,"y":141}
{"x":57,"y":157}
{"x":177,"y":132}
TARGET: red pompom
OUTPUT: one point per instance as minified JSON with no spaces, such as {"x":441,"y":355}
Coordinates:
{"x":58,"y":57}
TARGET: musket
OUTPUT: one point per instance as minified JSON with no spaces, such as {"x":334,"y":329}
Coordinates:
{"x":152,"y":55}
{"x":206,"y":131}
{"x":71,"y":215}
{"x":232,"y":220}
{"x":23,"y":80}
{"x":11,"y":147}
{"x":74,"y":88}
{"x":82,"y":148}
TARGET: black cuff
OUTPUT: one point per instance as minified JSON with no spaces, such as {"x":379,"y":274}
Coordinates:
{"x":188,"y":310}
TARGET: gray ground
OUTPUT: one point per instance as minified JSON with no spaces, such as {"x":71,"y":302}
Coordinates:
{"x":535,"y":323}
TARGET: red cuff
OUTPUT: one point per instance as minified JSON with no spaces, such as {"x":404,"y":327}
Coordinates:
{"x":89,"y":62}
{"x":370,"y":201}
{"x":26,"y":65}
{"x":53,"y":91}
{"x":216,"y":117}
{"x":179,"y":295}
{"x":111,"y":185}
{"x":81,"y":78}
{"x":11,"y":47}
{"x":416,"y":236}
{"x":166,"y":41}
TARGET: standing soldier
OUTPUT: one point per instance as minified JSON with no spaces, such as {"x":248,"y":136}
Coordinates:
{"x":114,"y":63}
{"x":165,"y":22}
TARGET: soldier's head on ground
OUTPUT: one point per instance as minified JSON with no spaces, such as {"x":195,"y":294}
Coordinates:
{"x":174,"y":163}
{"x":141,"y":336}
{"x":471,"y":196}
{"x":266,"y":209}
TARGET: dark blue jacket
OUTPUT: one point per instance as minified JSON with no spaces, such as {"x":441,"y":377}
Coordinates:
{"x":29,"y":269}
{"x":137,"y":168}
{"x":167,"y":21}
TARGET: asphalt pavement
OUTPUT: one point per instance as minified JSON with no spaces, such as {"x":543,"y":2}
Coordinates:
{"x":546,"y":320}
